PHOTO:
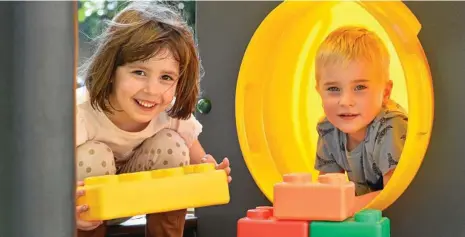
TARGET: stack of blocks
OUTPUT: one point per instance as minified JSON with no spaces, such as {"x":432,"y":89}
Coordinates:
{"x":126,"y":195}
{"x":303,"y":208}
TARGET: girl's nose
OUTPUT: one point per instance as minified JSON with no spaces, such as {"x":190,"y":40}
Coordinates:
{"x":153,"y":87}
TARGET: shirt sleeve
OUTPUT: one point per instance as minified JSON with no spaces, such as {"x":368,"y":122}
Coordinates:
{"x":389,"y":142}
{"x":81,"y":131}
{"x":325,"y":161}
{"x":189,"y":129}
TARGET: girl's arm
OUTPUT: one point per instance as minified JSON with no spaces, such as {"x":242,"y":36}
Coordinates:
{"x":198,"y":155}
{"x":196,"y":152}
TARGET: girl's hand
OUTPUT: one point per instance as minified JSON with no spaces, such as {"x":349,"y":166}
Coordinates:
{"x":80,"y":224}
{"x":224,"y":165}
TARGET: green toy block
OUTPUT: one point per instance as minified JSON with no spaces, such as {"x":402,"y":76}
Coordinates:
{"x":366,"y":223}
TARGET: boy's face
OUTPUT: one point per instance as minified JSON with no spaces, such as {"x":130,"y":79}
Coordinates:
{"x":352,"y":96}
{"x":144,"y":89}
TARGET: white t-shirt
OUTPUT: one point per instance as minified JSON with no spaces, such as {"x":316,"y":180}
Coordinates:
{"x":96,"y":126}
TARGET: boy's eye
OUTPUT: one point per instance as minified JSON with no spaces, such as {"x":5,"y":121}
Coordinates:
{"x":360,"y":87}
{"x":139,"y":72}
{"x":333,"y":88}
{"x":167,"y":78}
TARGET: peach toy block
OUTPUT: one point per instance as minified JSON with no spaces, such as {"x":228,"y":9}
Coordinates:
{"x":331,"y":198}
{"x":261,"y":223}
{"x":125,"y":195}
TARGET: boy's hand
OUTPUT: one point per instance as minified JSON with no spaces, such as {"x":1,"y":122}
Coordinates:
{"x":224,"y":165}
{"x":80,"y":224}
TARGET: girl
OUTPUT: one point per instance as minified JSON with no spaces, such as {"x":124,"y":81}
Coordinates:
{"x":142,"y":83}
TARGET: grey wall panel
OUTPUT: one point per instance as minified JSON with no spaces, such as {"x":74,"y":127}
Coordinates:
{"x":6,"y":142}
{"x":37,"y":119}
{"x":434,"y":204}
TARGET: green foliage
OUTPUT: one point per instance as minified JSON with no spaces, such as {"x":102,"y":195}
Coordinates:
{"x":93,"y":13}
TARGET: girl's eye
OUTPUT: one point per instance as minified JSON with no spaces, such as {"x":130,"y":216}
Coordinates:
{"x":167,"y":78}
{"x":333,"y":89}
{"x":360,"y":87}
{"x":139,"y":73}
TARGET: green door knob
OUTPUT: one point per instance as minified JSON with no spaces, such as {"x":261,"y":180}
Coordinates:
{"x":204,"y":106}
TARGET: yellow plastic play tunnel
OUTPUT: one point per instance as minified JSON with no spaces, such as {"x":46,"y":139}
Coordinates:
{"x":277,"y":106}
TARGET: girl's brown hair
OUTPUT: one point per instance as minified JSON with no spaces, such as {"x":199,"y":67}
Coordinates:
{"x":137,"y":33}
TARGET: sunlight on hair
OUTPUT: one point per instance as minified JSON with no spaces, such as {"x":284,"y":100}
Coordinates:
{"x":352,"y":43}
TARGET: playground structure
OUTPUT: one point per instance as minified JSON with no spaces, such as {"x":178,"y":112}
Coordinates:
{"x":422,"y":208}
{"x":278,"y":136}
{"x":37,"y":169}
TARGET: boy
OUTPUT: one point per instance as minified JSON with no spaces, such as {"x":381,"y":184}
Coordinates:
{"x":364,"y":131}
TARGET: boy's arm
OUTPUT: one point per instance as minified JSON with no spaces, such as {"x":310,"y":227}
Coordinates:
{"x":363,"y":200}
{"x":324,"y":160}
{"x":391,"y":139}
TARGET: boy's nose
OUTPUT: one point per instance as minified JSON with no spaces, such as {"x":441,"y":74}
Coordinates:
{"x":346,"y":100}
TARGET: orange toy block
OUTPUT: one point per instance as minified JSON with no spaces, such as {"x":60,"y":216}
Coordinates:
{"x":261,"y":223}
{"x":331,"y":198}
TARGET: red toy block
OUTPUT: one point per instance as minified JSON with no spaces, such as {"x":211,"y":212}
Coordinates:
{"x":261,"y":223}
{"x":331,"y":198}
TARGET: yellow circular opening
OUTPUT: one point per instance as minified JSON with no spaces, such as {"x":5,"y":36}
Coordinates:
{"x":277,"y":106}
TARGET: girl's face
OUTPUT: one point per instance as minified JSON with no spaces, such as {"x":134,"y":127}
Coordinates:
{"x":142,"y":90}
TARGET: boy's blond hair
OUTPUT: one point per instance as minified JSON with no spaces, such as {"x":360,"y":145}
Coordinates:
{"x":352,"y":43}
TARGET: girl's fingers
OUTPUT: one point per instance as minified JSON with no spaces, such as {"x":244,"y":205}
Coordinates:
{"x":81,"y":209}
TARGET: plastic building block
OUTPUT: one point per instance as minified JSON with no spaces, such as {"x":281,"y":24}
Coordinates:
{"x":261,"y":223}
{"x":125,"y":195}
{"x":332,"y":198}
{"x":366,"y":223}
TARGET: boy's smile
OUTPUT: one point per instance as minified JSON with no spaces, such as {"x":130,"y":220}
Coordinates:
{"x":352,"y":96}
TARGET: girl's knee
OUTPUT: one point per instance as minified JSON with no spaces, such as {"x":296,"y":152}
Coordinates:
{"x":168,"y":150}
{"x":94,"y":158}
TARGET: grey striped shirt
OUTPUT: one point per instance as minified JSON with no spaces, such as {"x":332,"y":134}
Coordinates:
{"x":370,"y":160}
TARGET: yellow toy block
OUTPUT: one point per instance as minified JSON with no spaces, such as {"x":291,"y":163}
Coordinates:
{"x":125,"y":195}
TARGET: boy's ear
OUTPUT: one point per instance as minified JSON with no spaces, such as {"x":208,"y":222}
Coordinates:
{"x":388,"y":90}
{"x":317,"y":87}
